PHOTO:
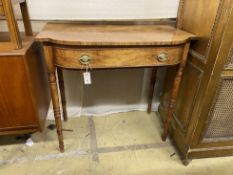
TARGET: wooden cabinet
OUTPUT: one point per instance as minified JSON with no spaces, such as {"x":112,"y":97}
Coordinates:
{"x":203,"y":119}
{"x":24,"y":94}
{"x":24,"y":90}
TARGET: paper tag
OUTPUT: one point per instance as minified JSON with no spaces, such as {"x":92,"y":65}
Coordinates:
{"x":87,"y":78}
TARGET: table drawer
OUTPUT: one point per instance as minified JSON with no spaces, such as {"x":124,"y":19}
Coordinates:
{"x":117,"y":57}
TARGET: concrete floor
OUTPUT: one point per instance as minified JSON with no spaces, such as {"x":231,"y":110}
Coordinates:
{"x":119,"y":144}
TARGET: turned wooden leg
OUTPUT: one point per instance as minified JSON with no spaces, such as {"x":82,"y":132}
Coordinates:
{"x":174,"y":92}
{"x":151,"y":90}
{"x":54,"y":93}
{"x":56,"y":109}
{"x":62,"y":92}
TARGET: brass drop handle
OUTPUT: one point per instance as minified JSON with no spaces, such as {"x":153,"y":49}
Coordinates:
{"x":85,"y":59}
{"x":162,"y":57}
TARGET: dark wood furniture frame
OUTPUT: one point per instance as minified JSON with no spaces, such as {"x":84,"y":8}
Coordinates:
{"x":24,"y":91}
{"x":203,"y":116}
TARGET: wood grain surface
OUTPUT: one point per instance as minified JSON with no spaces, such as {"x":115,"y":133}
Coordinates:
{"x":112,"y":35}
{"x":7,"y":47}
{"x":24,"y":91}
{"x":198,"y":116}
{"x":116,"y":57}
{"x":1,"y":10}
{"x":14,"y":1}
{"x":12,"y":24}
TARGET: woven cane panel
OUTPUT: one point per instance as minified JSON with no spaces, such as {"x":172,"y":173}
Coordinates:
{"x":221,"y":113}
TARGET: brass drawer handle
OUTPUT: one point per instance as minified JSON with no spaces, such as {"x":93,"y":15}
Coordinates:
{"x":162,"y":57}
{"x":85,"y":59}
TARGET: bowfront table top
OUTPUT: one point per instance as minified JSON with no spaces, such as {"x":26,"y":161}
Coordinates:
{"x":112,"y":35}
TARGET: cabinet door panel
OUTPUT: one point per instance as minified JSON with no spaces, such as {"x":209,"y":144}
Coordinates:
{"x":16,"y":107}
{"x":199,"y":17}
{"x":187,"y":96}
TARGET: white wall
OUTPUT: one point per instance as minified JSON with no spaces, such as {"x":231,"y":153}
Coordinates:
{"x":102,"y":9}
{"x":112,"y":90}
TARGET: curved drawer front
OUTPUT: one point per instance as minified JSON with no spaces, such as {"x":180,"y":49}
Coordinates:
{"x":117,"y":57}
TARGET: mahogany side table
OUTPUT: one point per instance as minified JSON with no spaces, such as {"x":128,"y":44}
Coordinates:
{"x":74,"y":46}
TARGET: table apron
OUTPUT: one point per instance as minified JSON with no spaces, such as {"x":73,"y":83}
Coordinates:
{"x":117,"y":57}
